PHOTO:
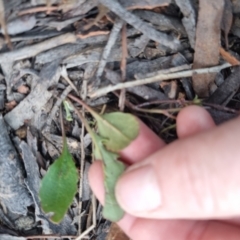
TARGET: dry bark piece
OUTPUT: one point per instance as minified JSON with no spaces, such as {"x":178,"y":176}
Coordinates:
{"x":35,"y":100}
{"x":142,"y":68}
{"x":20,"y":25}
{"x":91,"y":55}
{"x":144,"y":4}
{"x":189,"y":19}
{"x":162,"y":22}
{"x":227,"y":90}
{"x":33,"y":50}
{"x":162,"y":38}
{"x":58,"y":52}
{"x":143,"y":91}
{"x":9,"y":237}
{"x":13,"y":193}
{"x":138,"y":46}
{"x":220,"y":117}
{"x":151,"y":53}
{"x":207,"y":43}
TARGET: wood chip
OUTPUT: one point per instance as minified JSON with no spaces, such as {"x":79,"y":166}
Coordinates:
{"x":207,"y":44}
{"x":226,"y":91}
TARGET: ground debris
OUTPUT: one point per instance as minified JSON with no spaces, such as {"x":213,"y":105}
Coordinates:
{"x":207,"y":43}
{"x":148,"y":57}
{"x":13,"y":194}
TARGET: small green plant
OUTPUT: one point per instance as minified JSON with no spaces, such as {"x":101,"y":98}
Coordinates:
{"x":115,"y":132}
{"x":59,"y":185}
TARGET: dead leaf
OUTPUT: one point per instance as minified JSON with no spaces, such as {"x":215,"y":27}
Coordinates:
{"x":207,"y":45}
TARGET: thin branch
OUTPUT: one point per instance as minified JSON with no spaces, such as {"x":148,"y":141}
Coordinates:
{"x":55,"y":108}
{"x":107,"y":50}
{"x":160,"y":111}
{"x":38,"y":9}
{"x":122,"y":97}
{"x":163,"y":71}
{"x":64,"y":74}
{"x":158,"y":78}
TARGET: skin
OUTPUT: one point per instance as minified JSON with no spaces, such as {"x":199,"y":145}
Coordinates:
{"x":186,"y":190}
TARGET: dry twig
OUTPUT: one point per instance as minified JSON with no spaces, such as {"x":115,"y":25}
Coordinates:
{"x":158,"y":78}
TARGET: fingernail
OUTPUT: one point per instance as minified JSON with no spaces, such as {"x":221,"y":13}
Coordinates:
{"x":138,"y":190}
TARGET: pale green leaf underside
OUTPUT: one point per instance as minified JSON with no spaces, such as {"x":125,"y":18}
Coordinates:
{"x":112,"y":171}
{"x":118,"y":129}
{"x":59,"y":186}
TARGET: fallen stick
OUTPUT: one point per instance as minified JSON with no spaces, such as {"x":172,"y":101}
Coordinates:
{"x":33,"y":50}
{"x":157,"y":78}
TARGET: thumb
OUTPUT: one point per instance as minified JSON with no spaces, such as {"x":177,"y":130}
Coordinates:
{"x":196,"y":177}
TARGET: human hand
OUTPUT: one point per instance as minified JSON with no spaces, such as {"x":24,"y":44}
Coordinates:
{"x":187,"y":190}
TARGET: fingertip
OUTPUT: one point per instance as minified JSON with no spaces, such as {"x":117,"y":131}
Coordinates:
{"x":96,"y":179}
{"x":146,"y":143}
{"x":192,"y":120}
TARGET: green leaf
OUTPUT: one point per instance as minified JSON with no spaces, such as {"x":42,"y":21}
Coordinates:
{"x":68,"y":108}
{"x":116,"y":131}
{"x":119,"y":129}
{"x":112,"y":171}
{"x":59,"y":186}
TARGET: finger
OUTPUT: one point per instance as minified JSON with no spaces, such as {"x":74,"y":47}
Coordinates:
{"x":192,"y":120}
{"x":196,"y":177}
{"x":144,"y":229}
{"x":146,"y":143}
